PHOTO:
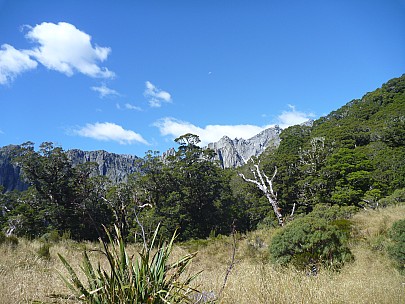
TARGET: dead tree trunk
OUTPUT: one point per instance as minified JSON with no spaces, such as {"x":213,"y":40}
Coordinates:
{"x":266,"y":186}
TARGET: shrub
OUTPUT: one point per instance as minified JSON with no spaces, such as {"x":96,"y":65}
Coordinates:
{"x":334,"y":212}
{"x":310,"y":242}
{"x":397,"y":197}
{"x":51,"y":236}
{"x":146,"y":279}
{"x":397,"y":249}
{"x":2,"y":237}
{"x":43,"y":251}
{"x":12,"y":241}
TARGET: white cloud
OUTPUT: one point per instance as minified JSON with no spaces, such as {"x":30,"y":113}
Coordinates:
{"x":132,"y":107}
{"x":208,"y":134}
{"x":104,"y":91}
{"x":155,"y":95}
{"x":66,"y":49}
{"x":293,"y":117}
{"x":108,"y":131}
{"x":211,"y":133}
{"x":13,"y":62}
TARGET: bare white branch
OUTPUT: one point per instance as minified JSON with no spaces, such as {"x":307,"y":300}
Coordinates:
{"x":266,"y":189}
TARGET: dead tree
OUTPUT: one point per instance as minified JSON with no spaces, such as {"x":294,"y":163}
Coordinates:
{"x":266,"y":186}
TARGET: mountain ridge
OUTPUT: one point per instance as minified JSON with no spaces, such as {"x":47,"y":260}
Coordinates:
{"x":232,"y":153}
{"x":117,"y":167}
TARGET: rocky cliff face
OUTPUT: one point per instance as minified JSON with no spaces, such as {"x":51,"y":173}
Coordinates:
{"x":116,"y":167}
{"x":9,"y":172}
{"x":233,"y":153}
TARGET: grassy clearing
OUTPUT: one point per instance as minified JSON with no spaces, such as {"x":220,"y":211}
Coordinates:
{"x":26,"y":277}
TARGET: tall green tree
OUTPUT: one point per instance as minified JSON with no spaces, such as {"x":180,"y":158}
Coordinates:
{"x":187,"y":190}
{"x":69,"y":200}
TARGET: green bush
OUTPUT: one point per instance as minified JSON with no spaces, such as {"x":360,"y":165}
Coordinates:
{"x":43,"y":251}
{"x":2,"y":237}
{"x":397,"y":197}
{"x":334,"y":212}
{"x":149,"y":278}
{"x":397,"y":249}
{"x":51,"y":237}
{"x":312,"y":241}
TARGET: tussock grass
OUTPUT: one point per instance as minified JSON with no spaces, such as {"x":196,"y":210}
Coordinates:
{"x":25,"y":277}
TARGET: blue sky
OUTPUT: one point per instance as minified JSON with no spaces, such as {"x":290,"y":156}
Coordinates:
{"x":130,"y":76}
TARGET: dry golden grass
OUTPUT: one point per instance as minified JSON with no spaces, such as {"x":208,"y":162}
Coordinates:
{"x":25,"y":278}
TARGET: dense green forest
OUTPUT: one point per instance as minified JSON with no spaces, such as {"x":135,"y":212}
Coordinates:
{"x":354,"y":157}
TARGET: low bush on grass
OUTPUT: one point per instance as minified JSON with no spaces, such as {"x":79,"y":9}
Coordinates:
{"x":313,"y":241}
{"x":43,"y":251}
{"x":149,"y":278}
{"x":396,"y":198}
{"x":397,"y":249}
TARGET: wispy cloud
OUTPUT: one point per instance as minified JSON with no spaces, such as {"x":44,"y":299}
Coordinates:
{"x":293,"y":117}
{"x":155,"y":95}
{"x":128,"y":106}
{"x":108,"y":131}
{"x":211,"y":133}
{"x":105,"y":91}
{"x":60,"y":47}
{"x":13,"y":62}
{"x":132,"y":107}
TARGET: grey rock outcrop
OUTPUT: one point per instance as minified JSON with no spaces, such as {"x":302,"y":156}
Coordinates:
{"x":232,"y":153}
{"x":9,"y":172}
{"x":117,"y":167}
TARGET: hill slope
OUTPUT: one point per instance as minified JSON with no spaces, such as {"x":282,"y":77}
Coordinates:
{"x":353,"y":156}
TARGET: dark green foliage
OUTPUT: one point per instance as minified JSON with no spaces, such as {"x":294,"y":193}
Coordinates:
{"x":352,"y":157}
{"x":333,"y":212}
{"x":2,"y":237}
{"x":397,"y":249}
{"x":313,"y":240}
{"x":61,"y":198}
{"x":397,"y":197}
{"x":188,"y":192}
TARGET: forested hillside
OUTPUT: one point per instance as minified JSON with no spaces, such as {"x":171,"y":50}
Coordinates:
{"x":355,"y":156}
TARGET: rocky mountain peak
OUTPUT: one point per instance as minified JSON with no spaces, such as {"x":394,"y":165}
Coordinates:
{"x":233,"y":153}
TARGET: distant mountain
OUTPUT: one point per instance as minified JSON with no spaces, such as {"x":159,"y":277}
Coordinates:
{"x":232,"y":153}
{"x":116,"y":167}
{"x":9,"y":172}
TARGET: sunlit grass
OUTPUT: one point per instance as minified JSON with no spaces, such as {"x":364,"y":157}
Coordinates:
{"x":25,"y":277}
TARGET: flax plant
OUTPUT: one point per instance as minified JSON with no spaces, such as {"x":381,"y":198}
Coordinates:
{"x":148,"y":278}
